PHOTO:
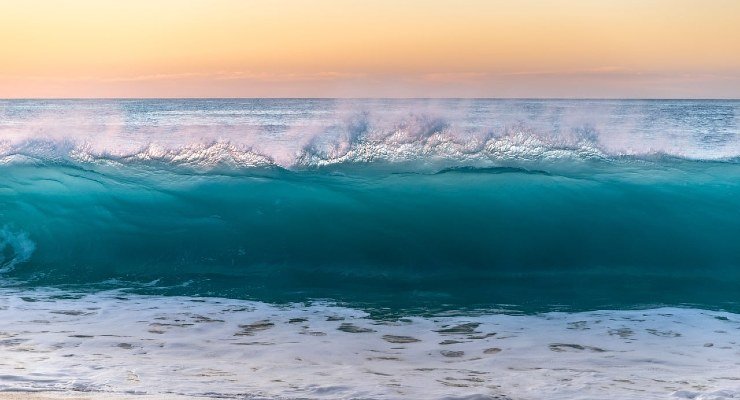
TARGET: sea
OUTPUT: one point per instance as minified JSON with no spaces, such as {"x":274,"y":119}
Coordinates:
{"x":471,"y":249}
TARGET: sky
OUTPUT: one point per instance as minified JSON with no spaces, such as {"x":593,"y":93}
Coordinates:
{"x":380,"y":48}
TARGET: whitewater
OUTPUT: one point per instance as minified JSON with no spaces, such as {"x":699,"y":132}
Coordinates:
{"x":357,"y":248}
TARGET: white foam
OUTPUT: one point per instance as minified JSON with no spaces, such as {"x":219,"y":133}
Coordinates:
{"x":298,"y":134}
{"x":521,"y":146}
{"x":120,"y":343}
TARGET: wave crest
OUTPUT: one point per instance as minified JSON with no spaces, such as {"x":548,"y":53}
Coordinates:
{"x":401,"y":133}
{"x":421,"y":138}
{"x":220,"y":154}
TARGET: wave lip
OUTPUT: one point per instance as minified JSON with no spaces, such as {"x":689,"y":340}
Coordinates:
{"x":446,"y":148}
{"x":304,"y":134}
{"x":197,"y":155}
{"x":200,"y":155}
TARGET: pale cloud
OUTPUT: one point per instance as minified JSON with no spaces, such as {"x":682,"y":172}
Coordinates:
{"x":219,"y":75}
{"x":454,"y":76}
{"x":599,"y":71}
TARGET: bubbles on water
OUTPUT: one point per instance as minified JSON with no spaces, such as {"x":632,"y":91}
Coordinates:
{"x":15,"y":247}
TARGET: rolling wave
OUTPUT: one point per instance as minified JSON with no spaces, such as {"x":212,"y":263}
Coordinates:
{"x":528,"y":204}
{"x":463,"y":237}
{"x":400,"y":236}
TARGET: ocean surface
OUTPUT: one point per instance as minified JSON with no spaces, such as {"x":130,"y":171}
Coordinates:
{"x":326,"y":248}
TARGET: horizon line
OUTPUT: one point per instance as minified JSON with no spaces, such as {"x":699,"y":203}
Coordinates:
{"x":371,"y":98}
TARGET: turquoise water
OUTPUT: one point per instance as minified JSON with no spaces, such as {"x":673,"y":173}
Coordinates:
{"x":413,"y":206}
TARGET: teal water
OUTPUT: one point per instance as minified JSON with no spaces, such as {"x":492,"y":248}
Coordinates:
{"x":636,"y":204}
{"x":457,"y":239}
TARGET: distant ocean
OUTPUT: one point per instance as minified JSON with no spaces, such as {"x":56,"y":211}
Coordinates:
{"x":382,"y":249}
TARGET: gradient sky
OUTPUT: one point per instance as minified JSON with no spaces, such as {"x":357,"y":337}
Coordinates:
{"x":352,"y":48}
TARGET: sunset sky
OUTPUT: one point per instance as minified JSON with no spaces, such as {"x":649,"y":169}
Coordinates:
{"x":352,"y":48}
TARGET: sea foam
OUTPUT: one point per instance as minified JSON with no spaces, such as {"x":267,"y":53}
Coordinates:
{"x":298,"y":134}
{"x":116,"y":342}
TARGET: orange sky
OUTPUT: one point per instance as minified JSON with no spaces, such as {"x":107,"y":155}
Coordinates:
{"x":352,"y":48}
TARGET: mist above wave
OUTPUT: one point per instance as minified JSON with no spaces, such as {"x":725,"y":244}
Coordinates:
{"x":461,"y":134}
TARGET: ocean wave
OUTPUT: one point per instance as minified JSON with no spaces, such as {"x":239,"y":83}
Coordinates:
{"x":457,"y":237}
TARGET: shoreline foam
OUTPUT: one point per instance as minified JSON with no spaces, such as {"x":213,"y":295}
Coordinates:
{"x":83,"y":396}
{"x":116,"y":343}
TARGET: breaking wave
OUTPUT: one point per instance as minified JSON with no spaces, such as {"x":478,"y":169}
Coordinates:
{"x":444,"y":147}
{"x":366,"y":133}
{"x":535,"y":204}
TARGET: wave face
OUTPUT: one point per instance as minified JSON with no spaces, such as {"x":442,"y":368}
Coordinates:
{"x":386,"y":204}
